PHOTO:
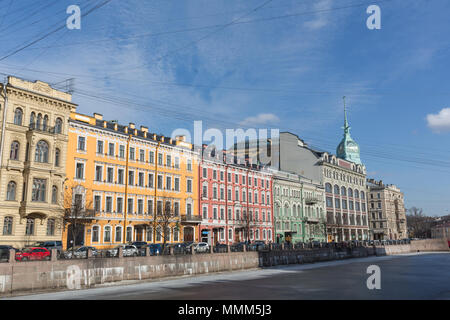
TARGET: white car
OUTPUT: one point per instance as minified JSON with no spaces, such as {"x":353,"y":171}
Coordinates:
{"x":201,"y":247}
{"x":128,"y":251}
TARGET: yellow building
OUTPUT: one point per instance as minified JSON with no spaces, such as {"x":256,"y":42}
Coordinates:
{"x":158,"y":175}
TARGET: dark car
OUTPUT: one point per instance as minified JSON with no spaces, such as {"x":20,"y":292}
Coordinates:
{"x":49,"y":245}
{"x":139,"y":244}
{"x":4,"y":252}
{"x":155,"y":249}
{"x":80,"y":252}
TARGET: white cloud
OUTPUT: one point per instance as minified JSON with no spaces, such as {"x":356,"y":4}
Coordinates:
{"x":439,"y":122}
{"x":260,"y":119}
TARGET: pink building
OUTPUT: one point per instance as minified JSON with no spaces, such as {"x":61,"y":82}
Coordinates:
{"x":235,"y":202}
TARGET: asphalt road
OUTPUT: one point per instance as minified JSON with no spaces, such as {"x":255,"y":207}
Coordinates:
{"x":413,"y":276}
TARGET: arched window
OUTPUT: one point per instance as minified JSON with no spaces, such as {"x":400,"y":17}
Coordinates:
{"x":350,"y":192}
{"x":14,"y":154}
{"x":328,"y":187}
{"x":356,"y":194}
{"x":363,"y":196}
{"x":54,"y":194}
{"x":39,"y":121}
{"x":32,"y":120}
{"x":336,"y":189}
{"x":18,"y":115}
{"x":41,"y":154}
{"x":343,"y":191}
{"x":11,"y":191}
{"x":118,"y":237}
{"x":107,"y":234}
{"x":57,"y":157}
{"x":58,"y":125}
{"x":45,"y":123}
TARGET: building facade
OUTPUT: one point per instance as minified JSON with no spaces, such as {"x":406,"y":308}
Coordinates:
{"x":299,"y":214}
{"x":387,"y":214}
{"x":235,"y":201}
{"x":34,"y":145}
{"x":139,"y":186}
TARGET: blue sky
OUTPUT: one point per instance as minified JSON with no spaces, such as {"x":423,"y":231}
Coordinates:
{"x":281,"y":64}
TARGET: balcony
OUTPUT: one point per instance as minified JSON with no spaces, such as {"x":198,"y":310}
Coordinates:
{"x":191,"y":218}
{"x":311,"y":200}
{"x":47,"y":129}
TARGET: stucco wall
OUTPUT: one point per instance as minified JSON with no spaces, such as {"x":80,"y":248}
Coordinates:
{"x":85,"y":273}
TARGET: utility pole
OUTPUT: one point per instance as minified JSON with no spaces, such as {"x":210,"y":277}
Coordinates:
{"x":156,"y":188}
{"x":126,"y":192}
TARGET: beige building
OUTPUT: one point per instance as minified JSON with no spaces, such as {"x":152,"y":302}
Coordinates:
{"x":387,"y":214}
{"x":34,"y":126}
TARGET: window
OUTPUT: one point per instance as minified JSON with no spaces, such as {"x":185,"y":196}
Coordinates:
{"x":168,"y":160}
{"x":29,"y":231}
{"x":82,"y":143}
{"x":57,"y":157}
{"x":7,"y":226}
{"x":14,"y":154}
{"x":95,"y":233}
{"x":189,"y":185}
{"x":107,"y":234}
{"x":98,"y":173}
{"x":118,"y":236}
{"x":131,"y":178}
{"x":329,"y":202}
{"x":130,"y":205}
{"x":141,"y":179}
{"x":100,"y":147}
{"x":97,"y":203}
{"x":176,"y":209}
{"x":140,"y":206}
{"x":119,"y":207}
{"x":159,"y":208}
{"x":215,"y":213}
{"x":142,"y":155}
{"x":336,"y":189}
{"x":54,"y":194}
{"x":160,"y":182}
{"x":41,"y":154}
{"x":151,"y":157}
{"x":214,"y":174}
{"x":350,"y":192}
{"x":51,"y":227}
{"x":222,"y":214}
{"x":110,"y":175}
{"x":11,"y":191}
{"x":168,"y":183}
{"x":122,"y":152}
{"x":150,"y":180}
{"x":58,"y":125}
{"x":188,"y":209}
{"x":38,"y":192}
{"x":189,"y":165}
{"x":111,"y":149}
{"x":160,"y":159}
{"x":150,"y":234}
{"x":132,"y":155}
{"x":150,"y":207}
{"x":328,"y":188}
{"x":177,"y":184}
{"x":80,"y":171}
{"x":18,"y":115}
{"x":39,"y":121}
{"x":108,"y":204}
{"x":205,"y":212}
{"x":205,"y":173}
{"x":120,"y":178}
{"x":343,"y":191}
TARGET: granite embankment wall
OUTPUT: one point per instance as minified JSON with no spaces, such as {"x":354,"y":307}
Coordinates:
{"x":29,"y":276}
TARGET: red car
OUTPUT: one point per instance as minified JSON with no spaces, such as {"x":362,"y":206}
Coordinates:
{"x":33,"y":254}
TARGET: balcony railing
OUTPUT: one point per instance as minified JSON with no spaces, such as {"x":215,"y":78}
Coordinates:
{"x":311,"y":200}
{"x":41,"y":128}
{"x":191,"y":218}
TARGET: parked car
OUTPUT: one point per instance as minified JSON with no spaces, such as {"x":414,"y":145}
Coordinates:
{"x":128,"y":251}
{"x":139,"y":244}
{"x":37,"y":244}
{"x":80,"y":252}
{"x":201,"y":247}
{"x":33,"y":254}
{"x":256,"y":245}
{"x":4,"y":252}
{"x":155,"y":249}
{"x":53,"y":245}
{"x":220,"y":248}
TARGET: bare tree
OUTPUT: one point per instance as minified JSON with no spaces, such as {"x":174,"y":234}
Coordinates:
{"x":78,"y":209}
{"x":419,"y":225}
{"x":165,"y":217}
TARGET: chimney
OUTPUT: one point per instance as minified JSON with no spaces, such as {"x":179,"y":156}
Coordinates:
{"x":105,"y":123}
{"x":132,"y":126}
{"x":181,"y":138}
{"x":98,"y":116}
{"x":144,"y":129}
{"x":125,"y":129}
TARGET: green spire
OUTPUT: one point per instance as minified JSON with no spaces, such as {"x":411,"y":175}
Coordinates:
{"x":348,"y":149}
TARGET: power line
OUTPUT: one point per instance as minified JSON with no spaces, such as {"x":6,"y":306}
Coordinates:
{"x":52,"y":32}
